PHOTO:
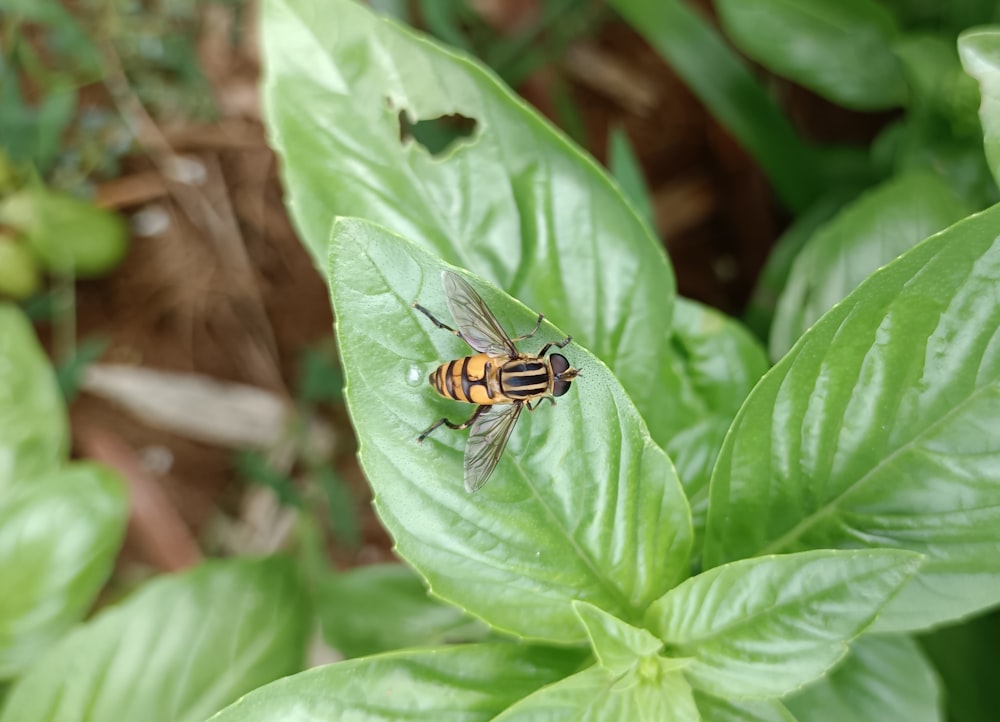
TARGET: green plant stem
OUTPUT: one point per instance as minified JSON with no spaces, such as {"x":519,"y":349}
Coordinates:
{"x":725,"y":85}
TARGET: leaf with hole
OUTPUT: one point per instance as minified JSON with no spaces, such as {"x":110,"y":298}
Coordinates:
{"x":514,"y":201}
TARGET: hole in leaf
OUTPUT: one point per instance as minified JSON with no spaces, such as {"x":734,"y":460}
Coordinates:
{"x":436,"y":135}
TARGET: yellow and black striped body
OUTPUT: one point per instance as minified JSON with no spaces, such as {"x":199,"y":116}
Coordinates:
{"x":486,"y":380}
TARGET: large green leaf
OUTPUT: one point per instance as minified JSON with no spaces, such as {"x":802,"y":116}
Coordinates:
{"x":383,"y":607}
{"x":34,"y":430}
{"x":515,"y":203}
{"x":583,"y":505}
{"x":763,"y":627}
{"x":59,"y":536}
{"x":841,"y":49}
{"x":178,"y":650}
{"x":980,"y":53}
{"x":466,"y":683}
{"x":879,"y":429}
{"x":867,"y":234}
{"x":881,"y":678}
{"x":654,"y":691}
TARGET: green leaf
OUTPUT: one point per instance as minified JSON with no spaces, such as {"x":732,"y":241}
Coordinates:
{"x":881,"y":678}
{"x":59,"y":536}
{"x":655,"y":691}
{"x":19,"y":274}
{"x":774,"y":276}
{"x":66,"y":235}
{"x":716,"y":362}
{"x":178,"y":650}
{"x":582,"y":505}
{"x":937,"y":82}
{"x":979,"y":50}
{"x":624,"y":166}
{"x":964,"y":656}
{"x":763,"y":627}
{"x":867,"y":234}
{"x":618,"y":646}
{"x":724,"y":83}
{"x":715,"y":709}
{"x":877,"y":429}
{"x":466,"y":683}
{"x":925,"y":141}
{"x":384,"y":607}
{"x":515,"y":203}
{"x":34,"y":430}
{"x":841,"y":49}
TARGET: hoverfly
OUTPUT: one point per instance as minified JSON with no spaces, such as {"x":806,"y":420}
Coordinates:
{"x":499,"y":379}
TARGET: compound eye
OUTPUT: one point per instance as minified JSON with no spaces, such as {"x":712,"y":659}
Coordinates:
{"x":559,"y":364}
{"x":560,"y":387}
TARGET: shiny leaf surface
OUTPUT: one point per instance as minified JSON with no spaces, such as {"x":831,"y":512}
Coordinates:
{"x":763,"y":627}
{"x":515,"y":202}
{"x":867,"y":234}
{"x":467,"y":683}
{"x":178,"y":650}
{"x":583,"y":505}
{"x":59,"y":536}
{"x":878,"y":429}
{"x":34,"y":430}
{"x":881,"y":678}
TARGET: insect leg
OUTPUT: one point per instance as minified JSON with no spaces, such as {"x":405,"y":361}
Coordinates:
{"x":533,"y":331}
{"x":550,"y":344}
{"x":444,"y":422}
{"x":435,"y":321}
{"x":532,"y":408}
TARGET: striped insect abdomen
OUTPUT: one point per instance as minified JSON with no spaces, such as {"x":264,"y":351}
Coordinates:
{"x":522,"y":379}
{"x":471,"y":379}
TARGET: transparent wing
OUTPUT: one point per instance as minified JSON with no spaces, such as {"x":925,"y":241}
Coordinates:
{"x":487,"y":440}
{"x":478,"y":325}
